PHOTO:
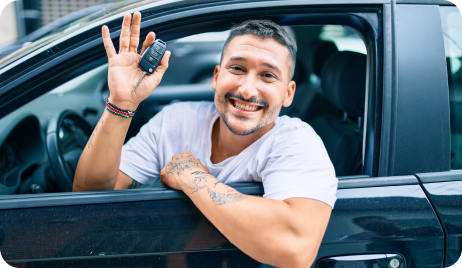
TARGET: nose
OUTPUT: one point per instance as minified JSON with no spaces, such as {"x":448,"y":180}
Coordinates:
{"x":248,"y":87}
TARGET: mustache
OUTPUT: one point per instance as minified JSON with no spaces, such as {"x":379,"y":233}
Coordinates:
{"x":250,"y":100}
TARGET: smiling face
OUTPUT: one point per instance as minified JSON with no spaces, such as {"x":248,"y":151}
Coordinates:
{"x":253,"y":83}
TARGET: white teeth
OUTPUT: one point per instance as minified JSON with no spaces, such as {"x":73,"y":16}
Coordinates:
{"x":245,"y":107}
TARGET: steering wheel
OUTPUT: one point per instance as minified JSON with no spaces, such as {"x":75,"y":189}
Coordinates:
{"x":67,"y":134}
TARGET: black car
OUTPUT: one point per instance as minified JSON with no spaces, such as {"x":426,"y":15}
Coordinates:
{"x":380,"y":81}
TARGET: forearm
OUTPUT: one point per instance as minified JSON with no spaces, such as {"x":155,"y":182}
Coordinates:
{"x":262,"y":228}
{"x":98,"y":166}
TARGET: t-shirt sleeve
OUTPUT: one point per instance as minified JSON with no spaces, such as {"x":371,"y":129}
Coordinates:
{"x":139,"y":159}
{"x":299,"y":166}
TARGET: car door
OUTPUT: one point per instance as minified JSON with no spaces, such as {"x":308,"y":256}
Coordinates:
{"x":136,"y":228}
{"x":381,"y":218}
{"x":444,"y":188}
{"x":395,"y":224}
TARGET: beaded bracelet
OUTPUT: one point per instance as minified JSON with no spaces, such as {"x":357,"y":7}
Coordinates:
{"x":117,"y":111}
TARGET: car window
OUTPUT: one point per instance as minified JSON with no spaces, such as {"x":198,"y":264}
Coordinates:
{"x":194,"y":58}
{"x":451,"y":20}
{"x":345,"y":38}
{"x":203,"y":51}
{"x":187,"y":79}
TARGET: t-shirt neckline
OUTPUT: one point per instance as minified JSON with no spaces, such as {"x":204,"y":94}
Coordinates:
{"x":216,"y":116}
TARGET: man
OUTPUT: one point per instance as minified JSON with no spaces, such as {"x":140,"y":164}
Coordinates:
{"x":197,"y":147}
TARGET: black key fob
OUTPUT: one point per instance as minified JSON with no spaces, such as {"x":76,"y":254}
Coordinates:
{"x":152,"y":56}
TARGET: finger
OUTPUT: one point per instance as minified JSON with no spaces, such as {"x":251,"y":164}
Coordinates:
{"x":162,"y":182}
{"x":135,"y":32}
{"x":150,"y":38}
{"x":163,"y":65}
{"x":125,"y":34}
{"x":108,"y":45}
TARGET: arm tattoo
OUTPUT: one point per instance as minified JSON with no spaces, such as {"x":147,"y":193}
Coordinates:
{"x":102,"y":116}
{"x":181,"y":163}
{"x":90,"y":143}
{"x":134,"y":184}
{"x":200,"y":177}
{"x":222,"y":199}
{"x":218,"y":198}
{"x":224,"y":185}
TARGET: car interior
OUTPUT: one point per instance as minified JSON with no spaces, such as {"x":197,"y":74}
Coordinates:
{"x":41,"y":141}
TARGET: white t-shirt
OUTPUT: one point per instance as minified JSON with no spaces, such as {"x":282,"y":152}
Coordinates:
{"x":290,"y":160}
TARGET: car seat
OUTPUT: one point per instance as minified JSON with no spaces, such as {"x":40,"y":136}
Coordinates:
{"x":343,"y":78}
{"x":309,"y":101}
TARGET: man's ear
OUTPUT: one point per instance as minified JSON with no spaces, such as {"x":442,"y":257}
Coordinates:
{"x":215,"y":77}
{"x":289,"y":94}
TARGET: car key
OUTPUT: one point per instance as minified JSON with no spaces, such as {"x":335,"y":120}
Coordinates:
{"x":151,"y":58}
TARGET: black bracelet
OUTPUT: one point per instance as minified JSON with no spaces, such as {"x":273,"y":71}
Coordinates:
{"x":117,"y":111}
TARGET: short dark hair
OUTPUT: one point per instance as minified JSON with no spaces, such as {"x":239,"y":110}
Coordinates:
{"x":264,"y":29}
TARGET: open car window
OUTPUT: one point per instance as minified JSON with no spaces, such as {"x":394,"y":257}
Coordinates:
{"x":314,"y":103}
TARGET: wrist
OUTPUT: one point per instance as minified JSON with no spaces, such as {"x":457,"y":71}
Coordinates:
{"x":188,"y":178}
{"x":185,"y":179}
{"x":125,"y":105}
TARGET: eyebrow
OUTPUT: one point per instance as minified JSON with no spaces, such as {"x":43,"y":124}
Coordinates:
{"x":238,"y":59}
{"x":272,"y":67}
{"x":265,"y":63}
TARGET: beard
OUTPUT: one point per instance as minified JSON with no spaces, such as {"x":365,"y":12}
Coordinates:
{"x":269,"y":114}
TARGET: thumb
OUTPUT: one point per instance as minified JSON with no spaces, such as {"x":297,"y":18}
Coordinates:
{"x":163,"y":64}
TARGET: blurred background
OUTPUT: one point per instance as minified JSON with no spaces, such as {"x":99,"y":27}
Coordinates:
{"x":22,"y":17}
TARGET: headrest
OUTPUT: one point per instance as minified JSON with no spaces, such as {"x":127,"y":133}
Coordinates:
{"x":317,"y":54}
{"x":343,"y":79}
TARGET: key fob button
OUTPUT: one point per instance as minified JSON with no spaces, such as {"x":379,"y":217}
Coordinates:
{"x":149,"y":58}
{"x":146,"y":66}
{"x":155,"y":54}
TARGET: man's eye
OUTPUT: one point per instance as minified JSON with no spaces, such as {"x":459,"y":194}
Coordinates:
{"x":269,"y":75}
{"x":237,"y":68}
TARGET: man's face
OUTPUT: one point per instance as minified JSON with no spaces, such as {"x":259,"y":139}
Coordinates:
{"x":252,"y":83}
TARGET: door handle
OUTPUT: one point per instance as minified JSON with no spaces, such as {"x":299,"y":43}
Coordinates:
{"x":363,"y":261}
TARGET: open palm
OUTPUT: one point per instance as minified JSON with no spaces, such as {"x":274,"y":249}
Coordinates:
{"x":123,"y":72}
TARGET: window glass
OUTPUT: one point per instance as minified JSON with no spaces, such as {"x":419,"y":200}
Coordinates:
{"x":451,"y":20}
{"x":203,"y":51}
{"x":344,"y":38}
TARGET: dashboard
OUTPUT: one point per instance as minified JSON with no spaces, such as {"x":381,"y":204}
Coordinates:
{"x":21,"y":150}
{"x":24,"y":163}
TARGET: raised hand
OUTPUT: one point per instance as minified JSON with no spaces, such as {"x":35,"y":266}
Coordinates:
{"x":123,"y":72}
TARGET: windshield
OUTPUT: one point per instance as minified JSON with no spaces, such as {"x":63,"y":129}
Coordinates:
{"x":67,"y":29}
{"x":53,"y":35}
